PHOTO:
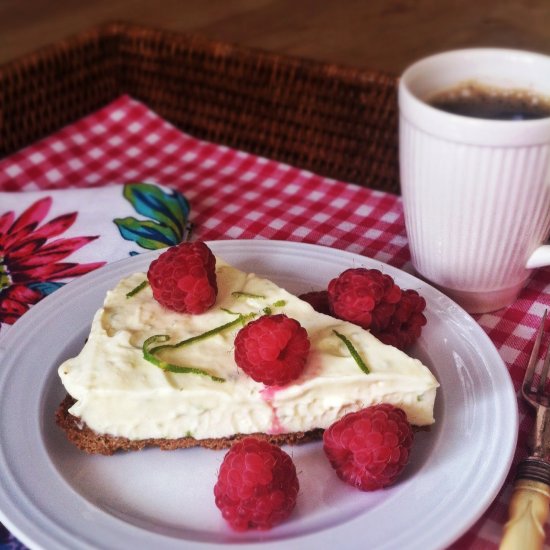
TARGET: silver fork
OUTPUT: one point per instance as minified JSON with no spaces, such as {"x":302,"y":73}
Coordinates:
{"x":536,"y":394}
{"x":530,"y":500}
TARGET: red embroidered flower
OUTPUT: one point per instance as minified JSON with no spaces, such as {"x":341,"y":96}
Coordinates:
{"x":30,"y":263}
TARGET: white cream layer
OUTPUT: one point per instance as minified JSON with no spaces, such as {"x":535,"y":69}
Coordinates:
{"x":120,"y":393}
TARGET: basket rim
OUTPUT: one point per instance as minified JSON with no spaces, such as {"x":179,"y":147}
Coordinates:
{"x":119,"y":29}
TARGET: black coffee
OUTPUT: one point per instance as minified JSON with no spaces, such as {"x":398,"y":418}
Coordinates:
{"x":474,"y":100}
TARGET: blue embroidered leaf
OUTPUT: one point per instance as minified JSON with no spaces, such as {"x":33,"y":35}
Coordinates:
{"x":147,"y":234}
{"x":45,"y":288}
{"x":167,"y":208}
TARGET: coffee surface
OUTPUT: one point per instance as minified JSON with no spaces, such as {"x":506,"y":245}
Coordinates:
{"x":478,"y":101}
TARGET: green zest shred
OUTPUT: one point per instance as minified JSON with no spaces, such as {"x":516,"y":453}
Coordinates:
{"x":157,"y":343}
{"x":229,"y":311}
{"x":268,"y":309}
{"x":148,"y":355}
{"x":150,"y":350}
{"x":353,"y":352}
{"x":137,"y":289}
{"x":239,"y":294}
{"x":241,"y":319}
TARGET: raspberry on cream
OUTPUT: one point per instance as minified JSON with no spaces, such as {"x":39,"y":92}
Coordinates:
{"x":272,"y":349}
{"x":183,"y":278}
{"x":371,"y":299}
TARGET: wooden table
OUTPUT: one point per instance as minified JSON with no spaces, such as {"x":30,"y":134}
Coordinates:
{"x":385,"y":35}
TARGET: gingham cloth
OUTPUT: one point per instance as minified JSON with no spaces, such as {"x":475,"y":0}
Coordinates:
{"x":241,"y":196}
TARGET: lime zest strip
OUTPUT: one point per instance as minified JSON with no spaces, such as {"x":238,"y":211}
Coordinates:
{"x":353,"y":352}
{"x":230,"y":312}
{"x":241,"y":319}
{"x":137,"y":289}
{"x":148,"y":355}
{"x":240,"y":294}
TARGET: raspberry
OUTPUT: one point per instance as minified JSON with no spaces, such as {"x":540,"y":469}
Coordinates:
{"x":369,"y":448}
{"x":183,"y":278}
{"x":272,"y":349}
{"x":318,"y":300}
{"x":366,"y":297}
{"x":406,"y":322}
{"x":257,"y":485}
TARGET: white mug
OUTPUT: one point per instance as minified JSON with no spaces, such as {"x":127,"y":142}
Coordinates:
{"x":476,"y":191}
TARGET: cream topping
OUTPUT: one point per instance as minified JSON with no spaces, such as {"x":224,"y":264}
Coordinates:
{"x":120,"y":393}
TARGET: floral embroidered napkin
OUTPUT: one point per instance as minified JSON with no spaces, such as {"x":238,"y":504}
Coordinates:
{"x":49,"y":237}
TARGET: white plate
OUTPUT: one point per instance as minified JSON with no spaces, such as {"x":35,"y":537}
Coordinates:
{"x":54,"y":496}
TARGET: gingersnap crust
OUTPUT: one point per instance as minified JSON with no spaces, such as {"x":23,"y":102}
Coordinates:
{"x":92,"y":442}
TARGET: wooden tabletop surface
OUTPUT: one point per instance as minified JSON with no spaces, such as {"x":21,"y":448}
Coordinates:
{"x":376,"y":34}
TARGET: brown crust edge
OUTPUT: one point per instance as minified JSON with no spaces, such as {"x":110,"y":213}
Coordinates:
{"x":94,"y":443}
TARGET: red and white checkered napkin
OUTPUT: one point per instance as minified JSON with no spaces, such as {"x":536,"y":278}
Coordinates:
{"x":237,"y":195}
{"x":233,"y":195}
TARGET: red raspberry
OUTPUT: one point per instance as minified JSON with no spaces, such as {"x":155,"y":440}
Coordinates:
{"x":369,"y":448}
{"x":366,"y":297}
{"x":318,"y":300}
{"x":406,"y":322}
{"x":183,"y":278}
{"x":272,"y":349}
{"x":257,"y":485}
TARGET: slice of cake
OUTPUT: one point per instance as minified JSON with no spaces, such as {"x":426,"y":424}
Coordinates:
{"x":151,"y":376}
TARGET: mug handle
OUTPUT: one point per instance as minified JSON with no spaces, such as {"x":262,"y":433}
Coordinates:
{"x":540,"y":257}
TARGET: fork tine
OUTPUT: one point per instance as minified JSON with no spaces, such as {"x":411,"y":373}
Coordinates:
{"x":544,"y":373}
{"x":533,"y":359}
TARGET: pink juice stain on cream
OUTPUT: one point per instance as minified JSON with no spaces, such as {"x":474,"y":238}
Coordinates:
{"x":267,"y":395}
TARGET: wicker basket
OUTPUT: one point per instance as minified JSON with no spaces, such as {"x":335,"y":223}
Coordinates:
{"x":336,"y":121}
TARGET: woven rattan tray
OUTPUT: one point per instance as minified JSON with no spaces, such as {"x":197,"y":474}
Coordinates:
{"x":336,"y":121}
